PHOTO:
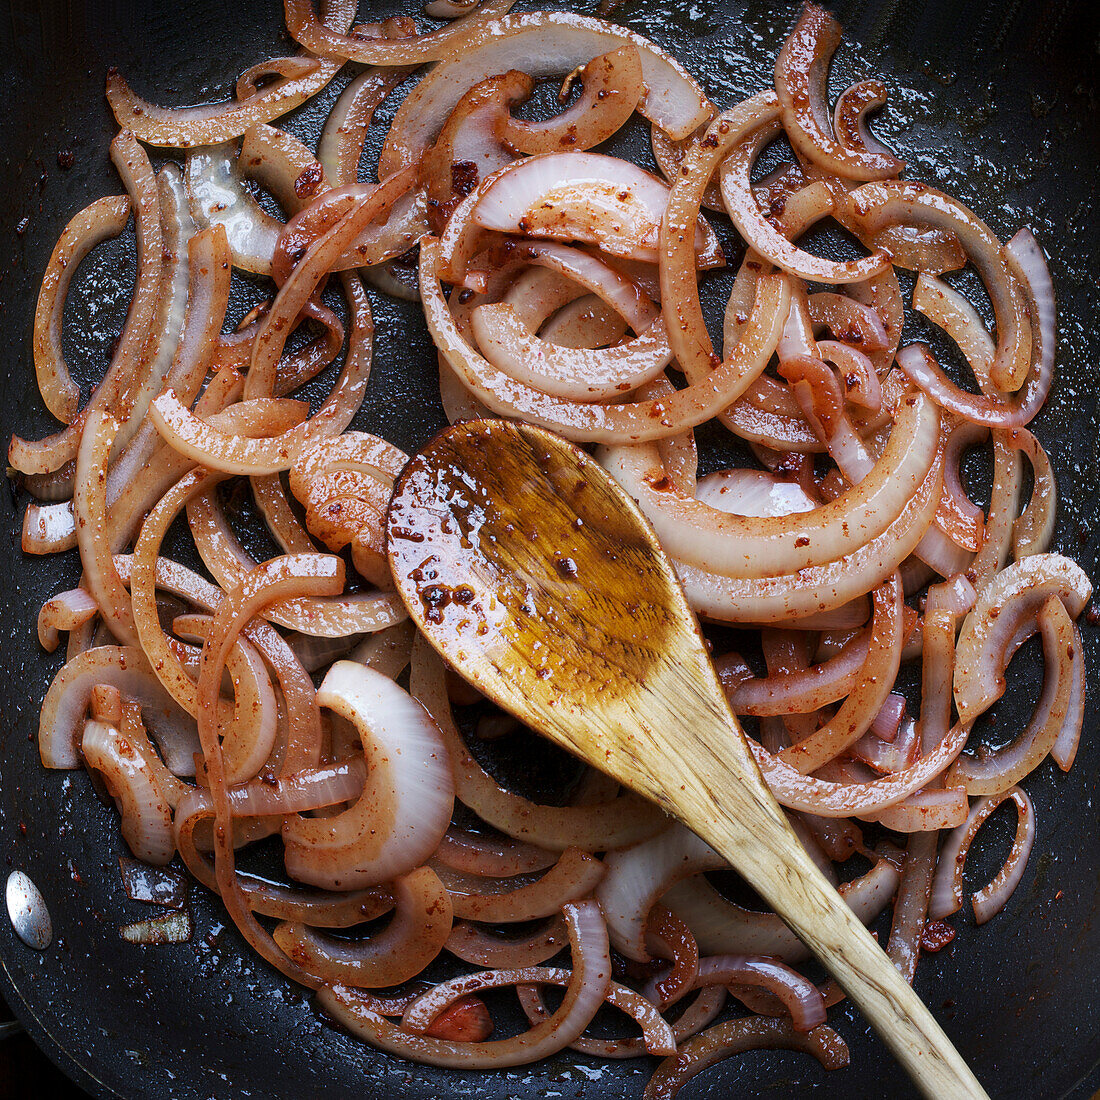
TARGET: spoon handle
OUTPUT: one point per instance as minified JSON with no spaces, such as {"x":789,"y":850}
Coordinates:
{"x":726,"y":801}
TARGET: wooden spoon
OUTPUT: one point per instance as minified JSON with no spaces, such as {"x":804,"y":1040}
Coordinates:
{"x":536,"y":577}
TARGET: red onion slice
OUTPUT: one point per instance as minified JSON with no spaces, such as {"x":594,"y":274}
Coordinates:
{"x":579,"y":196}
{"x":736,"y":1037}
{"x":1003,"y":618}
{"x":723,"y":928}
{"x":399,"y":820}
{"x":801,"y":79}
{"x":993,"y":772}
{"x":98,"y":222}
{"x":585,"y":993}
{"x":539,"y":44}
{"x":947,"y":886}
{"x":183,"y":127}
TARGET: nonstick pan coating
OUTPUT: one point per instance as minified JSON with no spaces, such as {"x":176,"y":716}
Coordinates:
{"x":995,"y":102}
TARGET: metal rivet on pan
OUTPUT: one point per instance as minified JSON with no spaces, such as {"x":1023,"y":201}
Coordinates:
{"x":27,"y":909}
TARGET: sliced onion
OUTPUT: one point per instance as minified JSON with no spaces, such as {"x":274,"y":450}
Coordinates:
{"x":722,"y":928}
{"x":581,"y":196}
{"x":401,"y":816}
{"x":911,"y":906}
{"x":219,"y":197}
{"x":146,"y":812}
{"x":612,"y":86}
{"x":586,"y":991}
{"x":125,"y":667}
{"x":801,"y":998}
{"x":637,"y":876}
{"x":482,"y":947}
{"x":762,"y":236}
{"x":656,"y":1038}
{"x":993,"y":772}
{"x":98,"y":222}
{"x":877,"y":204}
{"x":1003,"y":618}
{"x":947,"y":887}
{"x":183,"y":127}
{"x":123,"y":379}
{"x":340,"y":146}
{"x":500,"y":901}
{"x":742,"y":546}
{"x":602,"y":423}
{"x":828,"y":799}
{"x":736,"y":1037}
{"x":539,"y":44}
{"x":374,"y":49}
{"x":413,"y":938}
{"x":577,"y":374}
{"x":850,"y":118}
{"x":870,"y":692}
{"x":819,"y":588}
{"x":64,"y":612}
{"x":801,"y":80}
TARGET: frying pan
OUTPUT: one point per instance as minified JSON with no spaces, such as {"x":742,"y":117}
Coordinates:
{"x":994,"y":101}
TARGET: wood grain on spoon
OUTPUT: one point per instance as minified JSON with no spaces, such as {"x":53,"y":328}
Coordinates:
{"x":535,"y":576}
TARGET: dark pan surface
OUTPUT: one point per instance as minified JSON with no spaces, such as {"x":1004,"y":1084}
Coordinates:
{"x":1002,"y":114}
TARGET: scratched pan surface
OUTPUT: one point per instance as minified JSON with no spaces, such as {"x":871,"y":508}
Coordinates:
{"x":994,"y":102}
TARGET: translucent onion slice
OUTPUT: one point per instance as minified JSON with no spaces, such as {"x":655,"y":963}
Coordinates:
{"x":721,"y":928}
{"x":657,"y":1036}
{"x":801,"y":80}
{"x":587,"y":197}
{"x":748,"y":546}
{"x":875,"y":205}
{"x":603,"y":423}
{"x":64,"y":612}
{"x":797,"y":995}
{"x":414,"y":937}
{"x":587,"y":990}
{"x":115,"y":392}
{"x":573,"y":374}
{"x":476,"y":897}
{"x":405,"y":808}
{"x":994,"y":772}
{"x":871,"y":690}
{"x":637,"y":876}
{"x":183,"y":127}
{"x":853,"y":105}
{"x":146,"y":813}
{"x":219,"y":197}
{"x":1003,"y":618}
{"x":742,"y":148}
{"x":947,"y":886}
{"x":60,"y":722}
{"x":829,"y":799}
{"x":103,"y":219}
{"x":340,"y":146}
{"x":816,"y":589}
{"x":482,"y":947}
{"x":540,"y":44}
{"x":368,"y":46}
{"x":736,"y":1037}
{"x":206,"y":444}
{"x":612,"y":85}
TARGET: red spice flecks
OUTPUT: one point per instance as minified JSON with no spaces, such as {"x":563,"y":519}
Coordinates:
{"x":309,"y":180}
{"x":936,"y":936}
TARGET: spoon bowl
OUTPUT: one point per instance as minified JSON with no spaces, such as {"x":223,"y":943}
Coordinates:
{"x":537,"y":578}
